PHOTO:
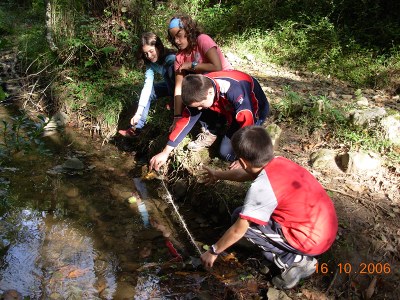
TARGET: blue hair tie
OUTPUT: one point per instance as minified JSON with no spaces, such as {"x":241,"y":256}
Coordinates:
{"x":175,"y":22}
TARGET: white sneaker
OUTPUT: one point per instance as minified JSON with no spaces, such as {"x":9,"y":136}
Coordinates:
{"x":291,"y":276}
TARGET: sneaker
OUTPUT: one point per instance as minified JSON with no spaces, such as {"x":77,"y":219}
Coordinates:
{"x":204,"y":140}
{"x":130,"y":132}
{"x":292,"y":275}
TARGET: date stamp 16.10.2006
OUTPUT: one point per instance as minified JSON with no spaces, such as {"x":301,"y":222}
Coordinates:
{"x":371,"y":268}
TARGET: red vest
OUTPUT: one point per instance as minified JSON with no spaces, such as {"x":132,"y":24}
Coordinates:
{"x":305,"y":211}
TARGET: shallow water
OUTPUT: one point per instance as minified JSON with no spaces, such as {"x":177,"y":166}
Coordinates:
{"x":75,"y":235}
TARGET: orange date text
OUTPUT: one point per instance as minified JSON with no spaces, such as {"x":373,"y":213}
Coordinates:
{"x":348,"y":268}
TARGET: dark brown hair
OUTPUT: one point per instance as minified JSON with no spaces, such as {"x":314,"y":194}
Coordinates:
{"x":191,"y":28}
{"x":151,"y":39}
{"x":253,"y":144}
{"x":195,"y":88}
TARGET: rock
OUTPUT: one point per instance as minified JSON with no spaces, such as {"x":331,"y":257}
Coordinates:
{"x":324,"y":159}
{"x":347,"y":97}
{"x":359,"y":162}
{"x":59,"y":119}
{"x":120,"y":191}
{"x":125,"y":290}
{"x":232,"y":58}
{"x":367,"y":117}
{"x":73,"y":164}
{"x":59,"y":169}
{"x":249,"y":57}
{"x":72,"y":192}
{"x":12,"y":295}
{"x":180,"y":188}
{"x":363,"y":161}
{"x":378,"y":98}
{"x":274,"y":294}
{"x":363,"y":101}
{"x":274,"y":132}
{"x":391,"y":125}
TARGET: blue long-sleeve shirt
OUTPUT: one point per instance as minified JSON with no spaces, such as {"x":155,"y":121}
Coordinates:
{"x":151,"y":69}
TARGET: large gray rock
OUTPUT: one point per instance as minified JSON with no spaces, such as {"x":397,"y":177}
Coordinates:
{"x":324,"y":159}
{"x":368,"y":116}
{"x":365,"y":163}
{"x":391,"y":126}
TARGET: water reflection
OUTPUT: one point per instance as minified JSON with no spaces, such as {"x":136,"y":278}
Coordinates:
{"x":74,"y":235}
{"x":141,"y":188}
{"x":48,"y":252}
{"x":20,"y":260}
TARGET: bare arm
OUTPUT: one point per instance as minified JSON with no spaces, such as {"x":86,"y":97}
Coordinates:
{"x":231,"y":236}
{"x":240,"y":175}
{"x":178,"y":105}
{"x":214,"y":63}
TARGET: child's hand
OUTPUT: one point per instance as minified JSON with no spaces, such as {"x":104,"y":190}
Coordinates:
{"x":158,"y":160}
{"x":208,"y":259}
{"x":235,"y":165}
{"x":135,"y":119}
{"x":186,"y":66}
{"x":209,"y":176}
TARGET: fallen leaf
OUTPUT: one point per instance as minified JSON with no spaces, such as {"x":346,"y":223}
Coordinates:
{"x":150,"y":176}
{"x":229,"y":257}
{"x":252,"y":286}
{"x":182,"y":273}
{"x":77,"y":273}
{"x":313,"y":295}
{"x":371,"y":288}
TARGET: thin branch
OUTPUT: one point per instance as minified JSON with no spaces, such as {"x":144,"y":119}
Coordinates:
{"x":332,"y":282}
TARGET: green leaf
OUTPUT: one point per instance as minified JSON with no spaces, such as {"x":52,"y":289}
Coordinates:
{"x":108,"y":50}
{"x":89,"y":63}
{"x":132,"y":199}
{"x":3,"y":94}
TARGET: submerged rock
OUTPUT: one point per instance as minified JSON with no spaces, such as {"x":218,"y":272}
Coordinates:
{"x":73,"y":164}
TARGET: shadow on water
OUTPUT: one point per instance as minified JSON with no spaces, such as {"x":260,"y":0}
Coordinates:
{"x":92,"y":231}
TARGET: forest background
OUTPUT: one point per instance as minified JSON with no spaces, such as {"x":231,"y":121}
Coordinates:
{"x":80,"y":56}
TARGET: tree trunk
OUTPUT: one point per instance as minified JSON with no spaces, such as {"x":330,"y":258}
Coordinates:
{"x":49,"y":28}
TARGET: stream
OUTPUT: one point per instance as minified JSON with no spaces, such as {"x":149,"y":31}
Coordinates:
{"x":81,"y":223}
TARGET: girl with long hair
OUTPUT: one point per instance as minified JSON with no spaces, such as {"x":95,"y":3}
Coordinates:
{"x":157,"y":59}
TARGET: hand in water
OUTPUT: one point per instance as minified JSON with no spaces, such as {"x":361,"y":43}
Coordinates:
{"x":208,"y":259}
{"x":157,"y":161}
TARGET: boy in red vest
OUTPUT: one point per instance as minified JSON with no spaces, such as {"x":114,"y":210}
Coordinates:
{"x":286,"y":212}
{"x":233,"y":94}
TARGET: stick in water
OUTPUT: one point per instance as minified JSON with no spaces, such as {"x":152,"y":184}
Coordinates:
{"x":170,"y":200}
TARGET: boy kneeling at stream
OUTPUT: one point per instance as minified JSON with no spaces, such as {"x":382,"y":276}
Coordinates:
{"x":233,"y":94}
{"x":286,"y":212}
